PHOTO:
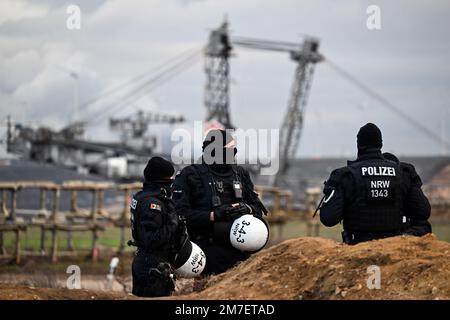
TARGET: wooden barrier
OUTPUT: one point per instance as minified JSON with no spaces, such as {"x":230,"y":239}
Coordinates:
{"x":9,"y":219}
{"x":95,"y":218}
{"x":17,"y":229}
{"x":54,"y":221}
{"x":312,"y":223}
{"x":124,"y":221}
{"x":279,"y":206}
{"x":77,"y":220}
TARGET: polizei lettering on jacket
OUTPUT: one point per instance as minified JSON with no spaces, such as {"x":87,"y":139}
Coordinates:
{"x":378,"y":171}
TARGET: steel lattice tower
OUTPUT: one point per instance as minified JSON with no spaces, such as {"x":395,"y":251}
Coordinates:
{"x":217,"y":76}
{"x":292,"y":125}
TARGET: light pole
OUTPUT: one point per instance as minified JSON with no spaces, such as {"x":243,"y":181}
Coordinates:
{"x":75,"y":78}
{"x":444,"y":119}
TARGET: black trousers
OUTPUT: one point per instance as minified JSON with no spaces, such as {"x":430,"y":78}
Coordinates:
{"x":219,"y":258}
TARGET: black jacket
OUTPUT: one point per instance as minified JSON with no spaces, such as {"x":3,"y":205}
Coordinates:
{"x":193,"y":200}
{"x":415,"y":204}
{"x":154,"y":220}
{"x":155,"y":227}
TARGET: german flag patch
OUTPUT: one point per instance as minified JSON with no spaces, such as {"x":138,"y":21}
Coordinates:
{"x":155,"y":206}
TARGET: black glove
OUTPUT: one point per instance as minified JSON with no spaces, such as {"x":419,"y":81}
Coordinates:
{"x":160,"y":282}
{"x":237,"y":210}
{"x":221,"y":213}
{"x":161,"y":271}
{"x":232,"y":212}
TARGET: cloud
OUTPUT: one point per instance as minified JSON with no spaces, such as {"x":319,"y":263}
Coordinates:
{"x":17,"y":10}
{"x":406,"y":61}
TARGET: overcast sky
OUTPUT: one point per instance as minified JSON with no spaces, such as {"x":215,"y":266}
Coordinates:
{"x":407,"y":62}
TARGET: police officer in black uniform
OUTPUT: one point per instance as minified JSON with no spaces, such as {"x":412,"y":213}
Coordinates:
{"x":210,"y":195}
{"x":156,"y":230}
{"x":375,"y":196}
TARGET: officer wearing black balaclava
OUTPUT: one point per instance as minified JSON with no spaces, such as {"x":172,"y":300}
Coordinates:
{"x":213,"y":193}
{"x":376,"y":196}
{"x":157,"y":231}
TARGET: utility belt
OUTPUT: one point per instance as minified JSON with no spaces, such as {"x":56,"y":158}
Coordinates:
{"x":141,"y":251}
{"x":350,"y":237}
{"x":158,"y":254}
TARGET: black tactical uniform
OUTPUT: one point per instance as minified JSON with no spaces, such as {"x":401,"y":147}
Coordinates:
{"x":375,"y":196}
{"x":202,"y":190}
{"x":156,"y":232}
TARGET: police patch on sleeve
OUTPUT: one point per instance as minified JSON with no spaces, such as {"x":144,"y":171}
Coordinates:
{"x":133,"y":203}
{"x":155,"y":206}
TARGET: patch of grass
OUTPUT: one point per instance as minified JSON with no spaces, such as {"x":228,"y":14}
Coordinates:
{"x":31,"y":240}
{"x":110,"y":238}
{"x":296,"y":228}
{"x":442,"y":231}
{"x":40,"y":265}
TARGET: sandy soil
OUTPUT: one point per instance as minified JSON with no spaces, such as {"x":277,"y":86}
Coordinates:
{"x":316,"y":268}
{"x":22,"y":292}
{"x":309,"y":268}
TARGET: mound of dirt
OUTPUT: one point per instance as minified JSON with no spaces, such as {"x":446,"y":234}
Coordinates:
{"x":317,"y":268}
{"x":308,"y":268}
{"x":21,"y":292}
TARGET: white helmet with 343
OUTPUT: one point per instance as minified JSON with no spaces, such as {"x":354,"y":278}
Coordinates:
{"x":249,"y":233}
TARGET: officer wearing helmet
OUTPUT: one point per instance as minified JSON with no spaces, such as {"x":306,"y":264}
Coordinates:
{"x":157,"y":231}
{"x":212,"y":194}
{"x":376,"y":196}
